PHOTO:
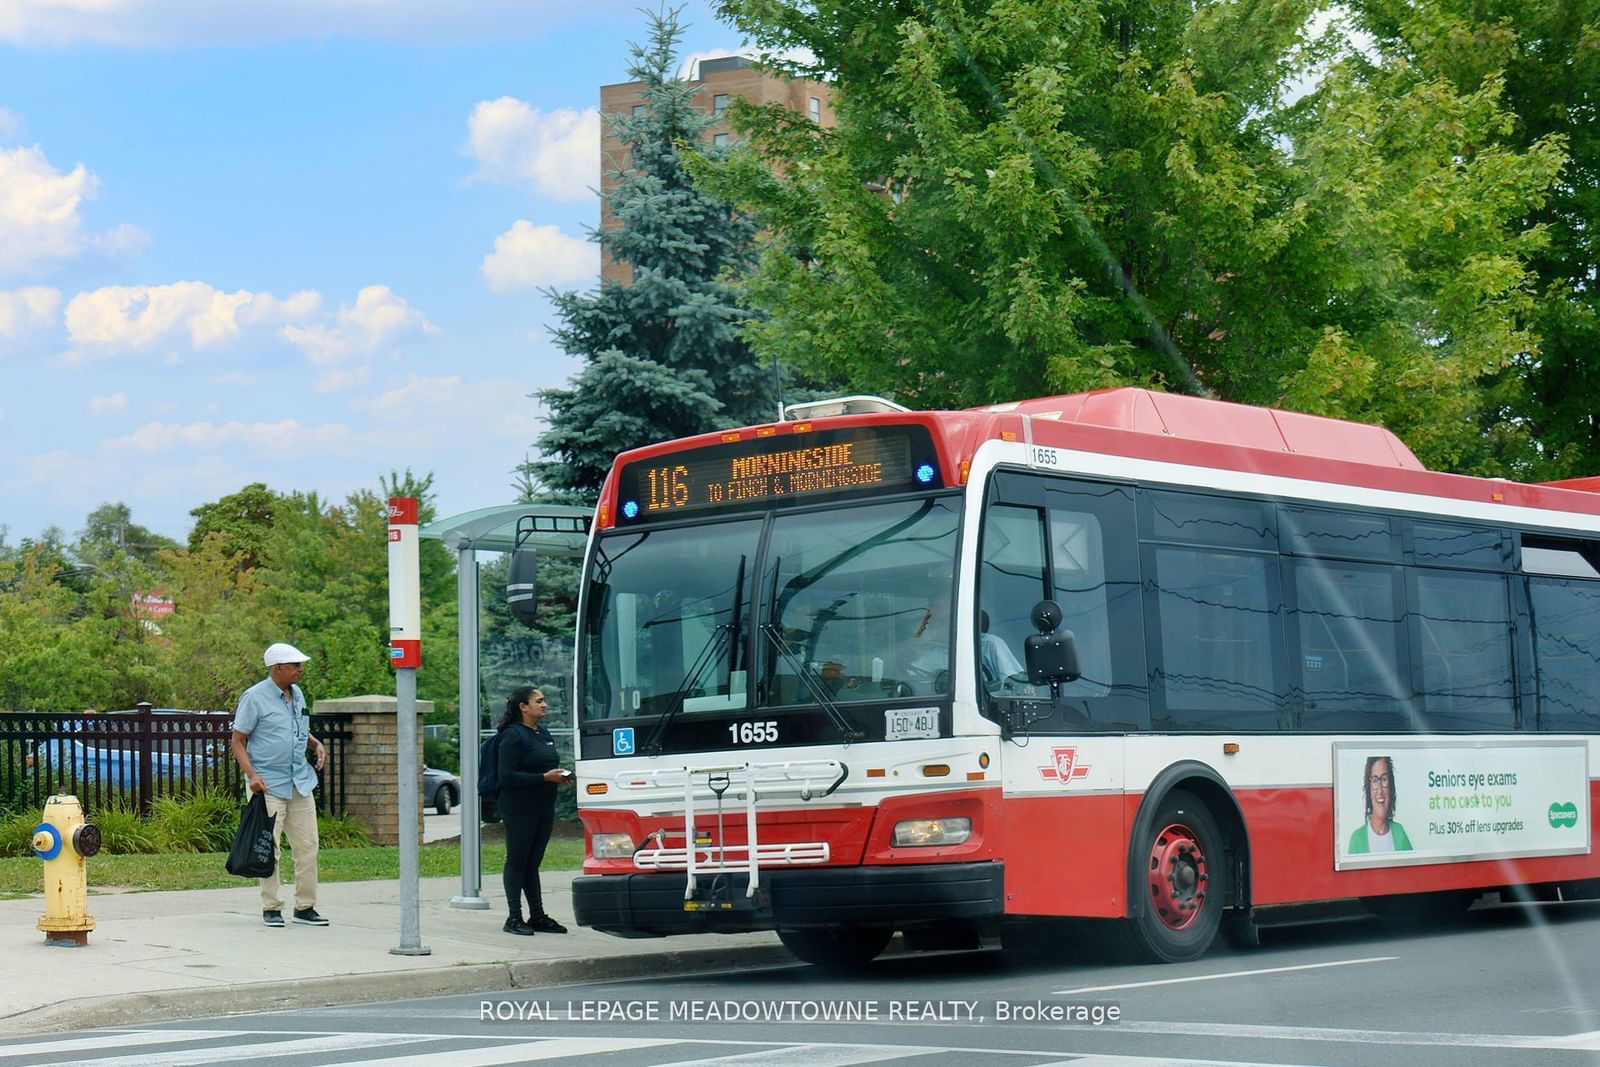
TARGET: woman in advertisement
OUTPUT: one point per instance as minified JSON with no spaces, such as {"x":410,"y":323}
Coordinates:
{"x":1379,"y":832}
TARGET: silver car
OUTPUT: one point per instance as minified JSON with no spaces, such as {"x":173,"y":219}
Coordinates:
{"x":441,"y":790}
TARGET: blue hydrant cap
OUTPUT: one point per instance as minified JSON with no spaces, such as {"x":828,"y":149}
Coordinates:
{"x":55,"y":841}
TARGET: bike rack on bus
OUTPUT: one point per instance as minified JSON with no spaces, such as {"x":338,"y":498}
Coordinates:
{"x":804,"y":779}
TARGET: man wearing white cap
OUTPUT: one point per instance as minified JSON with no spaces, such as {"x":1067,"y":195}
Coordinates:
{"x":271,"y":739}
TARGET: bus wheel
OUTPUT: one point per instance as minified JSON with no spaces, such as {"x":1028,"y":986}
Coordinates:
{"x":1182,"y":880}
{"x":836,"y":948}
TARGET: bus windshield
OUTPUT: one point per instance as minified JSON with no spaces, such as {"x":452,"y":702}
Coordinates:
{"x":666,"y":619}
{"x":854,"y":606}
{"x":856,"y":603}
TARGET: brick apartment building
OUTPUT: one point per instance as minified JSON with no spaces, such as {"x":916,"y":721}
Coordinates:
{"x":720,"y":81}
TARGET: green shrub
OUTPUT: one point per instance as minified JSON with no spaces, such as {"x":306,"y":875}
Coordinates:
{"x":340,"y":831}
{"x":203,"y":821}
{"x":16,"y":833}
{"x":442,"y":753}
{"x":122,"y":832}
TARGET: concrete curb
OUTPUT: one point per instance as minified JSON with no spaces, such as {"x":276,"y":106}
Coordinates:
{"x":323,"y":992}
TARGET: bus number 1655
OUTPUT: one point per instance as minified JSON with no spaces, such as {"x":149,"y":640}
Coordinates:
{"x":752,"y":733}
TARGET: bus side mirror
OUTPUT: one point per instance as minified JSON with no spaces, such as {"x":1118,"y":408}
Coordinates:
{"x":522,"y":587}
{"x":1052,"y":654}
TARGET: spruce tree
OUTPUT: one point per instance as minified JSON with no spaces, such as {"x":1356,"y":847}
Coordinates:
{"x":663,"y":356}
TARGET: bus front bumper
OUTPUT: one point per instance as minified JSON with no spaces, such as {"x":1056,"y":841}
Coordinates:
{"x":653,"y":905}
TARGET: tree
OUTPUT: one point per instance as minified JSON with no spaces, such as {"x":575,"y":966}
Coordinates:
{"x":110,"y":530}
{"x":1547,"y":56}
{"x":241,"y":520}
{"x":663,"y":357}
{"x":1033,"y":196}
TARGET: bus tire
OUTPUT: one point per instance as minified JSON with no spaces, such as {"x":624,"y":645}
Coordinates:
{"x":1182,"y":882}
{"x":836,"y":948}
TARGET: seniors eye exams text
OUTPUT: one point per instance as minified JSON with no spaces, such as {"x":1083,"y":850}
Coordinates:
{"x":770,"y":1011}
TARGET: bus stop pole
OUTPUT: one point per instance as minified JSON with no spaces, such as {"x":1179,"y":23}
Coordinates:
{"x":405,"y":656}
{"x":471,"y":897}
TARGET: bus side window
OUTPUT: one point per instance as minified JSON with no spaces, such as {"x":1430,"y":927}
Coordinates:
{"x":1218,"y":647}
{"x":1094,"y":577}
{"x":1010,"y":582}
{"x":1354,"y":662}
{"x":1464,"y":636}
{"x":1566,"y":626}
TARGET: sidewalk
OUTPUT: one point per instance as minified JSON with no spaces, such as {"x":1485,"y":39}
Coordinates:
{"x":176,"y":955}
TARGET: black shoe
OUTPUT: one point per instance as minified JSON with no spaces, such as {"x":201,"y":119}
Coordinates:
{"x":517,"y":926}
{"x":546,"y":925}
{"x":309,"y":917}
{"x":273,"y":918}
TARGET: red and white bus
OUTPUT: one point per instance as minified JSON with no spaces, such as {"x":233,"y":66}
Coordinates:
{"x":1122,"y":655}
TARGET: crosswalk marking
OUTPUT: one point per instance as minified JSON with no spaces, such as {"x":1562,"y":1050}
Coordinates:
{"x":294,"y":1047}
{"x":1576,"y":1042}
{"x":138,"y":1048}
{"x":523,"y":1052}
{"x":85,"y":1044}
{"x":817,"y":1055}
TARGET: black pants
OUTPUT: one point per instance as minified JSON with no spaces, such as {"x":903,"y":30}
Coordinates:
{"x":526,"y":838}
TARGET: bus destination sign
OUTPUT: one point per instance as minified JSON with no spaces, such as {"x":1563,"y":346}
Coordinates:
{"x":767,"y":470}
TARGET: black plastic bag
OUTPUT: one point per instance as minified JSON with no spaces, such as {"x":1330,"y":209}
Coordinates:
{"x":252,"y":852}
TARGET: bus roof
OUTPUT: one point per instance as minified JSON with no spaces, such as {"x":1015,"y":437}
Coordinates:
{"x":1194,"y":431}
{"x":1218,"y":422}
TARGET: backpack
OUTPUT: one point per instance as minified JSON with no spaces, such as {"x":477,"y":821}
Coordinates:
{"x":489,"y":777}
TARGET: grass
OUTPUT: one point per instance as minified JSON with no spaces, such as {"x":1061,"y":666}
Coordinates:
{"x":21,"y":876}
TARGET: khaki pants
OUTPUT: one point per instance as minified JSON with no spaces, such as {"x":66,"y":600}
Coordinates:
{"x":297,"y":819}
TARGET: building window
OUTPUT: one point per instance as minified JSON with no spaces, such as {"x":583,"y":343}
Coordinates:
{"x":719,"y":104}
{"x":720,"y":139}
{"x":638,"y":111}
{"x":814,"y":109}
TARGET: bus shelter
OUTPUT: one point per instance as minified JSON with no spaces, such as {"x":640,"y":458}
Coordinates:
{"x":553,"y":531}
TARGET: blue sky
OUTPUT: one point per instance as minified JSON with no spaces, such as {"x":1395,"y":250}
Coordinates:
{"x":291,"y":242}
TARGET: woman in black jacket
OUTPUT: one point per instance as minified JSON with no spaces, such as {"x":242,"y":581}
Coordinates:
{"x":529,"y":774}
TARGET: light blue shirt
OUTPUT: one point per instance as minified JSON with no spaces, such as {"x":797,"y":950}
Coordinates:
{"x":277,"y":736}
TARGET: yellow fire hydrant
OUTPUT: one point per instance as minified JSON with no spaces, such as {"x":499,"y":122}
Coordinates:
{"x":64,"y":840}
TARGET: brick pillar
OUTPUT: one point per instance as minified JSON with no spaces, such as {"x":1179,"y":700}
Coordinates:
{"x":370,"y":764}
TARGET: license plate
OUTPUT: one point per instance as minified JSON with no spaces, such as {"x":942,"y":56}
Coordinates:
{"x":903,"y":723}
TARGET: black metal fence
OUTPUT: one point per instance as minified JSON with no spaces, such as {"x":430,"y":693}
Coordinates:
{"x":135,"y":756}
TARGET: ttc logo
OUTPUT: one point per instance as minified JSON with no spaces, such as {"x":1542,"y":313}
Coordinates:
{"x":1064,"y":767}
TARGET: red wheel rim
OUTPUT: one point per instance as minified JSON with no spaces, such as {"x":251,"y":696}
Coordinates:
{"x":1178,"y":876}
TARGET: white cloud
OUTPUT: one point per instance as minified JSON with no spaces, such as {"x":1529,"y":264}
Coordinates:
{"x":27,"y":309}
{"x":143,"y":316}
{"x":378,"y":318}
{"x":166,"y":23}
{"x":557,"y":154}
{"x":448,"y":405}
{"x":527,"y":256}
{"x":10,"y":124}
{"x":103,"y":405}
{"x":40,"y":223}
{"x":39,"y":220}
{"x":287,"y":438}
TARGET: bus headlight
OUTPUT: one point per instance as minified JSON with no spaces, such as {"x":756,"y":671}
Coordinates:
{"x":610,"y":846}
{"x":919,"y":832}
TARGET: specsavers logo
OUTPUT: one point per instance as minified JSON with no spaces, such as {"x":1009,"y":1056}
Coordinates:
{"x":1064,"y":767}
{"x":1563,"y":815}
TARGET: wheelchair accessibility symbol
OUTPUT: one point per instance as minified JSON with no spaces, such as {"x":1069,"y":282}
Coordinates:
{"x":622,"y":741}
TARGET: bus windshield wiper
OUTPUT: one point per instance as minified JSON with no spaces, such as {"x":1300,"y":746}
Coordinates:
{"x":708,"y":655}
{"x":812,"y":682}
